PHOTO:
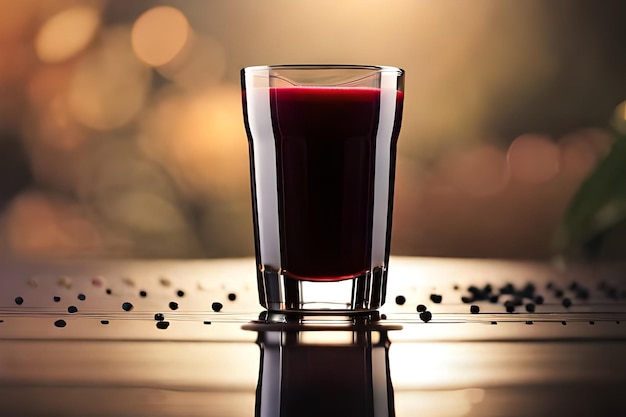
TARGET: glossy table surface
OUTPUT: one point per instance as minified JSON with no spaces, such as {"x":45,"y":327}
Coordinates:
{"x":106,"y":361}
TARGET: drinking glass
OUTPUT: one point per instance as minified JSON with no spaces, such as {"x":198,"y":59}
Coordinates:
{"x":322,"y":142}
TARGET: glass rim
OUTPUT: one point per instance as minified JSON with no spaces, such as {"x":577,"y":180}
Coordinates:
{"x":304,"y":67}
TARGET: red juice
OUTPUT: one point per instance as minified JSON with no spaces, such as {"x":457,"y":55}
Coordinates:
{"x":325,"y":139}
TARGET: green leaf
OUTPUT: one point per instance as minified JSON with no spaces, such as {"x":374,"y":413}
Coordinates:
{"x":600,"y":202}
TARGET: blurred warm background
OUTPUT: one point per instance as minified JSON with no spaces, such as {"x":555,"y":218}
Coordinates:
{"x":121,"y":132}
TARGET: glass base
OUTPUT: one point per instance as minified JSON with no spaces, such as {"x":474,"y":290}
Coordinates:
{"x":280,"y":292}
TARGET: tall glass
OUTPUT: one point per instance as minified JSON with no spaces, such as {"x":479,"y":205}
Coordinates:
{"x":322,"y":142}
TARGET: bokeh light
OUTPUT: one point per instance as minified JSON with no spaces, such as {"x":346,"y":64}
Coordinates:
{"x":66,"y":34}
{"x":41,"y":224}
{"x":533,"y":158}
{"x":159,"y":34}
{"x":480,"y":171}
{"x":110,"y":85}
{"x":619,"y":117}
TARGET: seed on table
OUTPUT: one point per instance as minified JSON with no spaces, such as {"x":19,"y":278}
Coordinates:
{"x":19,"y":301}
{"x":592,"y":322}
{"x":436,"y":298}
{"x":474,"y":309}
{"x":421,"y":308}
{"x":162,"y":325}
{"x":529,"y":322}
{"x":60,"y":323}
{"x":159,"y":317}
{"x":108,"y":291}
{"x":538,"y":299}
{"x":510,"y":308}
{"x":81,"y":297}
{"x":217,"y":306}
{"x":206,"y":322}
{"x":567,"y":303}
{"x":400,"y":300}
{"x":558,"y":293}
{"x":56,"y":298}
{"x":426,"y":316}
{"x":180,"y":293}
{"x":232,"y":296}
{"x":564,"y":323}
{"x":72,"y":309}
{"x":530,"y":307}
{"x":173,"y":305}
{"x":466,"y":300}
{"x":104,"y":322}
{"x":494,"y":298}
{"x":494,"y":322}
{"x":126,"y":306}
{"x":143,"y":293}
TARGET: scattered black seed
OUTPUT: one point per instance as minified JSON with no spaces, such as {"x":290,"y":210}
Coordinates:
{"x":507,"y":289}
{"x":592,"y":322}
{"x":549,"y":286}
{"x":1,"y":321}
{"x":567,"y":303}
{"x":19,"y":301}
{"x":421,"y":308}
{"x":573,"y":286}
{"x":159,"y":317}
{"x":180,"y":293}
{"x":475,"y":291}
{"x":455,"y":287}
{"x":494,"y":298}
{"x":104,"y":322}
{"x":173,"y":305}
{"x":400,"y":300}
{"x":530,"y":307}
{"x":56,"y":298}
{"x":529,"y":322}
{"x":126,"y":306}
{"x":510,"y":308}
{"x":382,"y":317}
{"x":538,"y":299}
{"x":564,"y":323}
{"x":611,"y":292}
{"x":582,"y":293}
{"x":232,"y":296}
{"x":426,"y":316}
{"x":488,"y":288}
{"x":517,"y":301}
{"x":494,"y":322}
{"x":217,"y":306}
{"x":108,"y":291}
{"x":81,"y":297}
{"x":208,"y":322}
{"x":143,"y":293}
{"x":436,"y":298}
{"x":558,"y":293}
{"x":528,"y":291}
{"x":60,"y":323}
{"x":162,"y":325}
{"x":72,"y":309}
{"x":467,"y":300}
{"x":616,"y":321}
{"x":474,"y":309}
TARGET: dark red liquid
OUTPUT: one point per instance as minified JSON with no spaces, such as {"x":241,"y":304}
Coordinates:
{"x":325,"y":147}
